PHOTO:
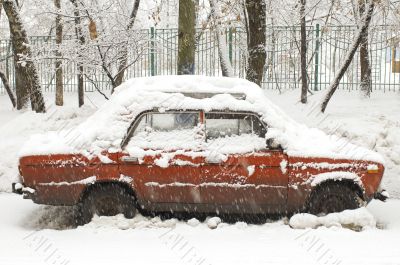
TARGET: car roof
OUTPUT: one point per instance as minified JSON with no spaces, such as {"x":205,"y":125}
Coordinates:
{"x":194,"y":86}
{"x":203,"y":95}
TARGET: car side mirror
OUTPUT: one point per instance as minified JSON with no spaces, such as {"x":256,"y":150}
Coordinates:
{"x":273,"y":144}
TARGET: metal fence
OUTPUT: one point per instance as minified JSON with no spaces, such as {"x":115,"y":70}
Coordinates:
{"x":327,"y":47}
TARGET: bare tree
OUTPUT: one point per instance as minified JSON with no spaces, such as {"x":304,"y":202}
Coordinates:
{"x":4,"y":78}
{"x":59,"y":70}
{"x":303,"y":52}
{"x":110,"y":52}
{"x":81,"y":39}
{"x":350,"y":55}
{"x":99,"y":46}
{"x":124,"y":53}
{"x":27,"y":79}
{"x":225,"y":63}
{"x":365,"y":65}
{"x":256,"y":39}
{"x":186,"y":36}
{"x":7,"y":86}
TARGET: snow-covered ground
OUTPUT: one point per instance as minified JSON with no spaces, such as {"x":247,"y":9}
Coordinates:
{"x":33,"y":234}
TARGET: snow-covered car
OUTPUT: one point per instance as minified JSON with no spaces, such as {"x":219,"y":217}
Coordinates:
{"x":196,"y":144}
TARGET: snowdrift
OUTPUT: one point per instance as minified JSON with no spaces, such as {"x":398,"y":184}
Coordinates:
{"x":355,"y":219}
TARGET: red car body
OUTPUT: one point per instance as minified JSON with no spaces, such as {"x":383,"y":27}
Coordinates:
{"x":279,"y":183}
{"x":185,"y":177}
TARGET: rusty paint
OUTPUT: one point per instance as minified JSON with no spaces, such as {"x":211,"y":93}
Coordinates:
{"x":266,"y":181}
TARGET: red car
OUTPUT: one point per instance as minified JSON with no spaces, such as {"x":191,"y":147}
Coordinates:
{"x":196,"y":144}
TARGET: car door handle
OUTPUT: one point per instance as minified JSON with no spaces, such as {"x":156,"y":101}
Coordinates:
{"x":130,"y":159}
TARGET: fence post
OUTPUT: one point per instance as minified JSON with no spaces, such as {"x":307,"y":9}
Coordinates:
{"x":316,"y":64}
{"x":152,"y":52}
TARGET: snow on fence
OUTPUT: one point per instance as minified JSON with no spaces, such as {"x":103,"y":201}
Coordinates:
{"x":327,"y":47}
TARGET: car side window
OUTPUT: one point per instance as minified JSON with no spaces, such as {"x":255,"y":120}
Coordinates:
{"x":167,"y":131}
{"x":164,"y":122}
{"x":220,"y":125}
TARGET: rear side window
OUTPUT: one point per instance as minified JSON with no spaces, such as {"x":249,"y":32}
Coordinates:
{"x":220,"y":125}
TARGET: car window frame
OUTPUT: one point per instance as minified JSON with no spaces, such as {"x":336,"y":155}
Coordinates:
{"x":133,"y":126}
{"x":202,"y":119}
{"x":222,"y":112}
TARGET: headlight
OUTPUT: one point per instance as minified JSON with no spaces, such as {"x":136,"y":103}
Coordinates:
{"x":372,"y":169}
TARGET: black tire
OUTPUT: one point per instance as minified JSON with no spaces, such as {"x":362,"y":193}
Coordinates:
{"x":106,"y":200}
{"x":333,"y":197}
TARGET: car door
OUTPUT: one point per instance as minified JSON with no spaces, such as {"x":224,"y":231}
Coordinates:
{"x":160,"y":157}
{"x":241,"y":174}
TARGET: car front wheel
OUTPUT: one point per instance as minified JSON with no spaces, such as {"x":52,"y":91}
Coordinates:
{"x":106,"y":200}
{"x":334,"y":197}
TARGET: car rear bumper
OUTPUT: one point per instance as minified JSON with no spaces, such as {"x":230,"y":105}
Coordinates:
{"x":20,"y":189}
{"x":17,"y":188}
{"x":63,"y":195}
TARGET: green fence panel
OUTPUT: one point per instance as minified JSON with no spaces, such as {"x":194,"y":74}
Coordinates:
{"x":154,"y":52}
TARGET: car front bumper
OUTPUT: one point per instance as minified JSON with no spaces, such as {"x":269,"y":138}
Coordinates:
{"x":381,"y":195}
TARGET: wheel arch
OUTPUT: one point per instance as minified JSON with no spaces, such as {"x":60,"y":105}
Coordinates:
{"x":123,"y":185}
{"x":350,"y":183}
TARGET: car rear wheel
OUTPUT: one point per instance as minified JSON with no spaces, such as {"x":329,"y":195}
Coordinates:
{"x":106,"y":200}
{"x":333,"y":197}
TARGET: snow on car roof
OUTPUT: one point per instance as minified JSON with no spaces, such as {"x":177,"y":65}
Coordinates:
{"x":202,"y":95}
{"x":106,"y":128}
{"x":190,"y":83}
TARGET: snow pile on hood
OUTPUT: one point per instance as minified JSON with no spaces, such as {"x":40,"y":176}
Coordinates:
{"x":355,"y":219}
{"x":106,"y":128}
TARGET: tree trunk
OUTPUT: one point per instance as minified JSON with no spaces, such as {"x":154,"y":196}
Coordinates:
{"x":303,"y":52}
{"x":7,"y":86}
{"x":81,"y":38}
{"x":186,"y":37}
{"x":350,"y":55}
{"x":124,"y":53}
{"x":226,"y":66}
{"x":366,"y":80}
{"x":81,"y":91}
{"x":27,"y":79}
{"x":256,"y":41}
{"x":59,"y":70}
